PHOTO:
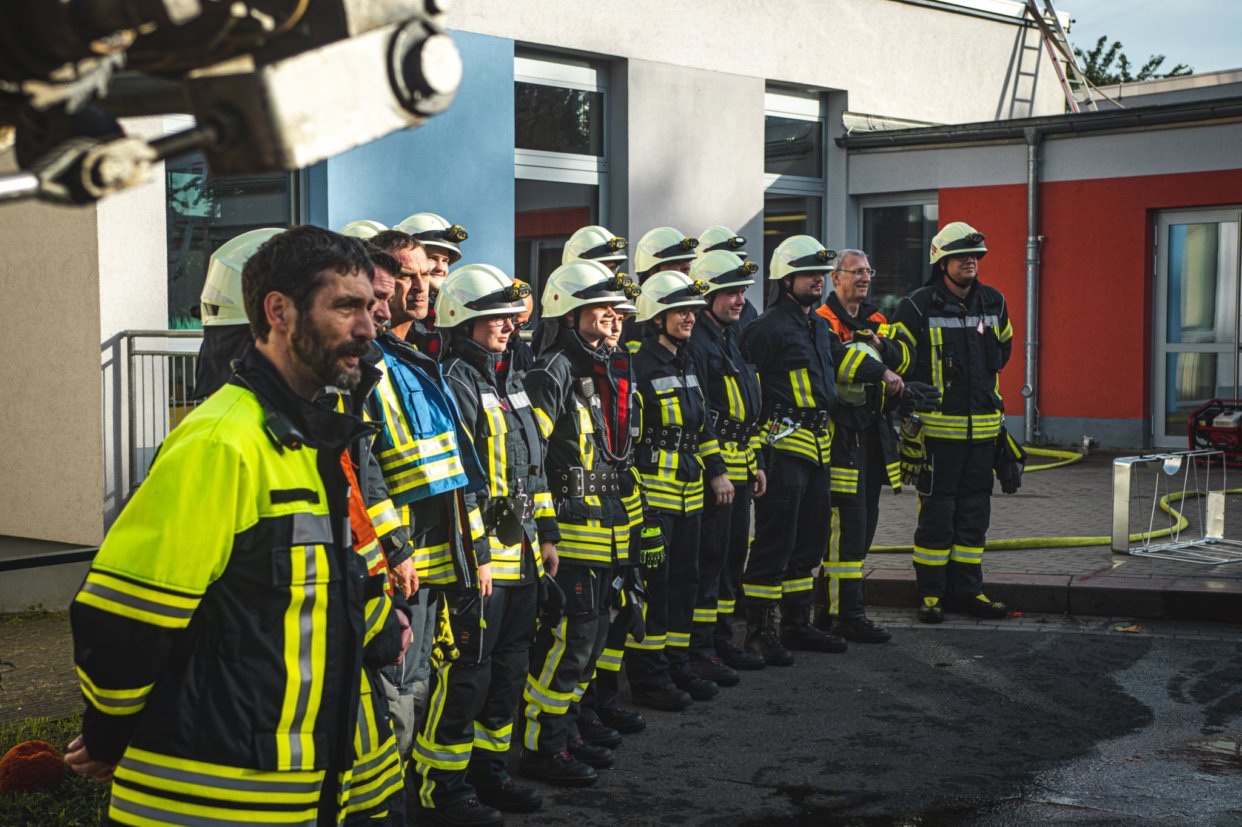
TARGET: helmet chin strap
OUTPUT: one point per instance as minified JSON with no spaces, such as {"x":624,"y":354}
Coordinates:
{"x":964,"y":285}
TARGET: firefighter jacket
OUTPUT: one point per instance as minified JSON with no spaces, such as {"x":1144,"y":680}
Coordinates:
{"x":866,"y":404}
{"x":962,"y":344}
{"x":799,"y":362}
{"x":498,"y":414}
{"x":733,"y":398}
{"x":219,"y":633}
{"x":583,"y":402}
{"x":675,"y":439}
{"x":429,"y":464}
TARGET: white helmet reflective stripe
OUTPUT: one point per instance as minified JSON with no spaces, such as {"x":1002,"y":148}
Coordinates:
{"x":668,"y":289}
{"x":221,"y":301}
{"x":955,"y":239}
{"x":363,"y":228}
{"x":435,"y":233}
{"x":722,"y":269}
{"x":596,"y":243}
{"x":721,"y":238}
{"x":660,"y":245}
{"x":478,"y":290}
{"x":578,"y":284}
{"x":799,"y":254}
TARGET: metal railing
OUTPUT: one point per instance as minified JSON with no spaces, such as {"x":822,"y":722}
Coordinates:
{"x":160,"y":368}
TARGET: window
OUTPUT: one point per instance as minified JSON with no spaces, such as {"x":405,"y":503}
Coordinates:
{"x":793,"y":166}
{"x":560,"y":158}
{"x":206,"y":210}
{"x":897,"y":237}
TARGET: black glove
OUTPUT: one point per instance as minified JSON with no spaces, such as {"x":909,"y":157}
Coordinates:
{"x":634,"y":597}
{"x":1009,"y":462}
{"x":918,"y":397}
{"x":551,"y":601}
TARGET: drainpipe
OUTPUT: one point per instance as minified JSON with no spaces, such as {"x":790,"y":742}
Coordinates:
{"x":1033,"y":240}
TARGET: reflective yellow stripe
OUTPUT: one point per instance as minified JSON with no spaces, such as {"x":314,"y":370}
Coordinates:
{"x":848,"y":369}
{"x":125,"y":701}
{"x":143,"y":603}
{"x":843,"y":480}
{"x":796,"y":585}
{"x":976,"y":427}
{"x":972,"y":555}
{"x":936,"y":336}
{"x":305,"y":643}
{"x":736,"y":405}
{"x":678,"y":640}
{"x":800,"y":382}
{"x":545,"y":423}
{"x":762,"y":591}
{"x":493,"y":740}
{"x":497,"y":452}
{"x":544,"y":506}
{"x":384,"y":517}
{"x":931,"y":556}
{"x":1005,"y":333}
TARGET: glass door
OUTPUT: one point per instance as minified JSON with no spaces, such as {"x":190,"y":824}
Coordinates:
{"x":1197,"y":309}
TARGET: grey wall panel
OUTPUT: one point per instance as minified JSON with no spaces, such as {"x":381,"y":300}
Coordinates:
{"x":903,"y":170}
{"x":1153,"y":152}
{"x":695,"y":151}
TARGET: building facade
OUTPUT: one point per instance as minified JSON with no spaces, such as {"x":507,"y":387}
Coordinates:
{"x":633,"y":115}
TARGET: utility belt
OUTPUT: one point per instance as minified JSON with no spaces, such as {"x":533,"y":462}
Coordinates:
{"x":730,"y":430}
{"x":813,"y":419}
{"x":577,"y":482}
{"x":671,"y":438}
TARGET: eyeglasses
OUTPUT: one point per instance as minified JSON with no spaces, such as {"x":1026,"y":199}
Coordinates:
{"x":859,"y":272}
{"x":501,"y":321}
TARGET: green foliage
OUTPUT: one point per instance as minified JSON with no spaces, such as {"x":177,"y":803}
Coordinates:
{"x":1097,"y":65}
{"x":75,"y":802}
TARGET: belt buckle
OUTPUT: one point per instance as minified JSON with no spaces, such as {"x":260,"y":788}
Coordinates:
{"x":575,"y":482}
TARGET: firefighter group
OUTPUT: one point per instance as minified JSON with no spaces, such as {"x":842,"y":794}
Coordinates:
{"x":398,"y":542}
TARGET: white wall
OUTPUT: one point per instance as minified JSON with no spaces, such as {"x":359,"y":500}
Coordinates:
{"x":938,"y":64}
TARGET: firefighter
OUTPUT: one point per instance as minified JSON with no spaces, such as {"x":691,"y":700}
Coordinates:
{"x":475,"y":695}
{"x":427,"y":460}
{"x":441,"y":242}
{"x":799,"y":362}
{"x":732,"y":390}
{"x":663,"y":248}
{"x":521,"y":354}
{"x":581,"y":395}
{"x":864,"y":450}
{"x":675,"y":442}
{"x":963,"y":335}
{"x":722,"y":238}
{"x":596,"y":243}
{"x":223,"y":627}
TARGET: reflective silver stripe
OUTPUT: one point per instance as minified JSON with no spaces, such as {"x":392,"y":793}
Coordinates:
{"x":219,"y":781}
{"x":306,"y":627}
{"x":364,"y":731}
{"x":962,"y":321}
{"x":309,"y":529}
{"x":137,"y":602}
{"x":161,"y":816}
{"x":665,"y":383}
{"x":519,"y":400}
{"x":489,"y":400}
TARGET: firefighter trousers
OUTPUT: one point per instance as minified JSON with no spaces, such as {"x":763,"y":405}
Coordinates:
{"x":791,"y":533}
{"x":736,"y":540}
{"x":562,"y":659}
{"x":955,"y":507}
{"x":671,"y":590}
{"x":854,"y":516}
{"x":473,"y":697}
{"x":713,"y":553}
{"x":603,"y":692}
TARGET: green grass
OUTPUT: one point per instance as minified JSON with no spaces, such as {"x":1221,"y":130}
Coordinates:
{"x":75,"y":802}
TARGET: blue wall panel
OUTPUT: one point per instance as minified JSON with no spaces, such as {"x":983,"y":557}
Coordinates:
{"x":459,"y":164}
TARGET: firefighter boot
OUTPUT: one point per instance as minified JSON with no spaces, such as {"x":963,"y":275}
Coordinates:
{"x":761,"y":634}
{"x":798,"y":633}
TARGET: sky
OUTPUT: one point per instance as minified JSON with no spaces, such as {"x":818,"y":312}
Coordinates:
{"x":1205,"y":34}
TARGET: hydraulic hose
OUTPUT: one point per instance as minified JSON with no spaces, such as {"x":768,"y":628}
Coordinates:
{"x":1061,"y":458}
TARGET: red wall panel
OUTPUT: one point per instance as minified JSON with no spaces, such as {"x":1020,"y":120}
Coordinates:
{"x":1095,"y":281}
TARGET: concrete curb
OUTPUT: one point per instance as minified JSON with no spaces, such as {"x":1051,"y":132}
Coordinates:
{"x":1184,"y":598}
